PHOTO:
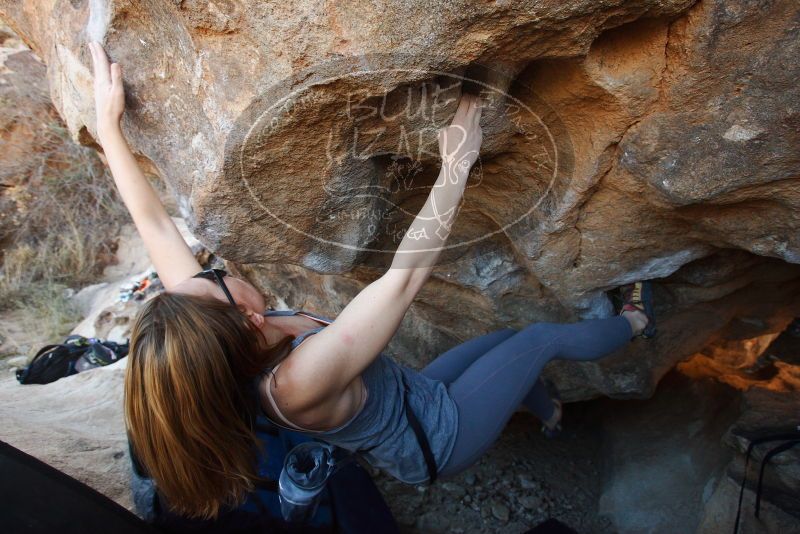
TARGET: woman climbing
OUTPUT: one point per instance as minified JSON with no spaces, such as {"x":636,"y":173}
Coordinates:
{"x":203,"y":353}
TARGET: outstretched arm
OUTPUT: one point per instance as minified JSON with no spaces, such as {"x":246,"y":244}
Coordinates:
{"x":171,"y":256}
{"x":459,"y":145}
{"x":332,"y":359}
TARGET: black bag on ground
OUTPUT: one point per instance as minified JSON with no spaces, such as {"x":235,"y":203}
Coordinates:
{"x":76,"y":354}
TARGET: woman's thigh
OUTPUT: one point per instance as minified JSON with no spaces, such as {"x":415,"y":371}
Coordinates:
{"x":489,"y":391}
{"x":451,"y":364}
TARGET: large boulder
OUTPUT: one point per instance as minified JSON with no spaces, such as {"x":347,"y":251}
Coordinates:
{"x":649,"y":139}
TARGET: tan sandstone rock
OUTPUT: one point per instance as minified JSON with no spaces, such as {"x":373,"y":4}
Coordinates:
{"x":649,"y":139}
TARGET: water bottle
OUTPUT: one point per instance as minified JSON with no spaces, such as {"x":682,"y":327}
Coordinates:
{"x":305,"y":471}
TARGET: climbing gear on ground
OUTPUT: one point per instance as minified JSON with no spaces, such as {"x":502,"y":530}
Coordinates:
{"x":100,"y":353}
{"x":639,"y":297}
{"x":75,"y":355}
{"x":139,"y":289}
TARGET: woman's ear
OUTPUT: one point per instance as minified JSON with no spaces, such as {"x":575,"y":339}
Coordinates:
{"x":256,"y":318}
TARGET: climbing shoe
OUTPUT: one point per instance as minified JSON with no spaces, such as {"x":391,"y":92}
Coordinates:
{"x":639,"y":297}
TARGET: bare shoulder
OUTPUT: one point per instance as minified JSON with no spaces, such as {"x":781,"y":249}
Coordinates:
{"x":301,"y":403}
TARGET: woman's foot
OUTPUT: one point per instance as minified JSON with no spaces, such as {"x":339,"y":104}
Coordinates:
{"x":552,"y":427}
{"x":638,"y":308}
{"x":637,"y":319}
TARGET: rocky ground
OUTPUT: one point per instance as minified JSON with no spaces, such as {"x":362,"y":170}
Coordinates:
{"x":522,"y":481}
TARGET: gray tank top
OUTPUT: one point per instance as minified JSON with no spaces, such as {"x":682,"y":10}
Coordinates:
{"x":380,"y":430}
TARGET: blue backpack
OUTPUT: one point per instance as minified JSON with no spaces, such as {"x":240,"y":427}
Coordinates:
{"x":351,"y":503}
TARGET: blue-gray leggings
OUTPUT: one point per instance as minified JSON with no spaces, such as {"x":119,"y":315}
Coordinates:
{"x":491,"y":375}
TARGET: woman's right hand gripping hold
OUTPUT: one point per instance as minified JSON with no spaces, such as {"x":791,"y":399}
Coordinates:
{"x":109,"y":95}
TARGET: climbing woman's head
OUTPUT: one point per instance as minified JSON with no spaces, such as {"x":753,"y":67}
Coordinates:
{"x":190,"y":399}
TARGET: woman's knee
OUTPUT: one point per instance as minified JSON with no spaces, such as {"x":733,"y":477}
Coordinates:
{"x":539,"y":331}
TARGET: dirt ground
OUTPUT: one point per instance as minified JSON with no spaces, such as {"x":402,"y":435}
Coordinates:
{"x":522,"y":481}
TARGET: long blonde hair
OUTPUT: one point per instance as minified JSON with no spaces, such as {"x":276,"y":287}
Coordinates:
{"x":190,"y":400}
